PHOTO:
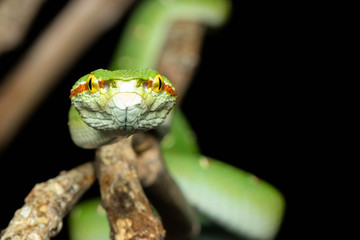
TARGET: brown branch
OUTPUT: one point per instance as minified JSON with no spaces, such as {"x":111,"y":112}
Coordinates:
{"x":181,"y":54}
{"x":176,"y":214}
{"x":47,"y":204}
{"x":15,"y":18}
{"x":129,"y":213}
{"x":59,"y":46}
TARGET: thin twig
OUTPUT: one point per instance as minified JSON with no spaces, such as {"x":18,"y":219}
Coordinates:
{"x":128,"y":210}
{"x":47,"y":204}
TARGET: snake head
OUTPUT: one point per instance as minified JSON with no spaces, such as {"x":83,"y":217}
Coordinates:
{"x":126,"y":101}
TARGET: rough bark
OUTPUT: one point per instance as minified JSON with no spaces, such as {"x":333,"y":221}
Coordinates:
{"x":128,"y":210}
{"x":46,"y":205}
{"x":176,"y":214}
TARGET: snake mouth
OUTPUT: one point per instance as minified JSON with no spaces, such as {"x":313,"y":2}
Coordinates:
{"x":125,"y":109}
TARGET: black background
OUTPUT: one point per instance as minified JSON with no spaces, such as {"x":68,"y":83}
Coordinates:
{"x":247,"y":106}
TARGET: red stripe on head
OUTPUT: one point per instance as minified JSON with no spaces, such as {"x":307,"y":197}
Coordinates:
{"x":79,"y":89}
{"x":168,"y":88}
{"x":84,"y":87}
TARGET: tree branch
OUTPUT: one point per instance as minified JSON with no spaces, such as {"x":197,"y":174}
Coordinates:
{"x":47,"y":204}
{"x":15,"y":18}
{"x":176,"y":214}
{"x":181,"y":54}
{"x":129,"y":213}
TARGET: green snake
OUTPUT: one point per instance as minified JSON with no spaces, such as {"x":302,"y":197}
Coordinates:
{"x":108,"y":105}
{"x":234,"y":199}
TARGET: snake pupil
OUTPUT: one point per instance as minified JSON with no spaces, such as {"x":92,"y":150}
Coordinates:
{"x":160,"y":84}
{"x":90,"y":85}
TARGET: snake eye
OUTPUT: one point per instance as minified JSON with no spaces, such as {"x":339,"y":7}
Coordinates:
{"x":158,"y":83}
{"x":92,"y":83}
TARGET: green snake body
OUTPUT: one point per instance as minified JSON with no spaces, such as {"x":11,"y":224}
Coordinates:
{"x":237,"y":200}
{"x":146,"y":32}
